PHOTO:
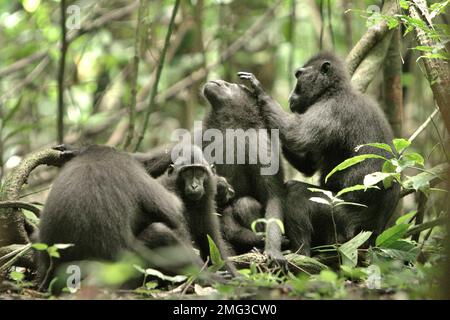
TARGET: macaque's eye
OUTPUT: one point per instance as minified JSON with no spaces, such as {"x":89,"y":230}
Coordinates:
{"x":325,"y":67}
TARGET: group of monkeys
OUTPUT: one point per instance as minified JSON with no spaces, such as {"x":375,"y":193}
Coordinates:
{"x":105,"y":201}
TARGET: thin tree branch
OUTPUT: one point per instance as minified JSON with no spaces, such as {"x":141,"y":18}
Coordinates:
{"x":134,"y":73}
{"x":424,"y":226}
{"x":373,"y":35}
{"x":89,"y":26}
{"x":198,"y":75}
{"x":62,"y":64}
{"x":292,"y":27}
{"x":158,"y":75}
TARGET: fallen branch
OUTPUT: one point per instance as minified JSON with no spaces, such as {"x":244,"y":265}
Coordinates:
{"x":12,"y":221}
{"x":295,"y":261}
{"x":21,"y":255}
{"x":20,"y":205}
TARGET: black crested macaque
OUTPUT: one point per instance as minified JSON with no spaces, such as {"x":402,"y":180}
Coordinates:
{"x":329,"y":119}
{"x":233,"y":106}
{"x":237,"y":217}
{"x":225,"y":192}
{"x":105,"y":204}
{"x":236,"y":225}
{"x":193,"y":179}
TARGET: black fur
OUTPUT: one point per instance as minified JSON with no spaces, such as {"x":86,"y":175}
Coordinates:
{"x":234,"y":107}
{"x":329,"y":120}
{"x":192,"y":179}
{"x":104,"y":203}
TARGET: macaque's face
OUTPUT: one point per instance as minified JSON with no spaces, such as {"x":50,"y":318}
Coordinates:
{"x":313,"y":79}
{"x":220,"y":93}
{"x":194,"y":180}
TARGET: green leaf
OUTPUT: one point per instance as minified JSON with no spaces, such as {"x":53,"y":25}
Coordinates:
{"x":329,"y":194}
{"x":404,"y":4}
{"x":151,"y":285}
{"x":351,"y":204}
{"x":53,"y":252}
{"x":349,"y":250}
{"x":63,"y":246}
{"x":328,"y":276}
{"x":305,"y":262}
{"x":353,"y":273}
{"x":423,"y":48}
{"x":320,"y":200}
{"x":40,"y":246}
{"x":391,"y":22}
{"x":401,"y":250}
{"x":389,"y":236}
{"x":139,"y":268}
{"x":414,"y":157}
{"x":389,"y":166}
{"x":406,"y":217}
{"x":373,"y":178}
{"x":383,"y":146}
{"x":355,"y":188}
{"x":399,"y":254}
{"x":422,"y":180}
{"x":351,"y":162}
{"x":30,"y":216}
{"x":214,"y":253}
{"x":160,"y":275}
{"x":400,"y":144}
{"x":16,"y":276}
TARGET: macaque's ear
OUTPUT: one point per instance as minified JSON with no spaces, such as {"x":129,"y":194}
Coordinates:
{"x":213,"y":168}
{"x":325,"y":67}
{"x":170,"y":169}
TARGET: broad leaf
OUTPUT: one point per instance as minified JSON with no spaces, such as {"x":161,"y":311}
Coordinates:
{"x":214,"y":253}
{"x":16,"y":276}
{"x":422,"y":180}
{"x":351,"y":204}
{"x":374,"y":178}
{"x":160,"y":275}
{"x":329,"y":194}
{"x":53,"y":252}
{"x":63,"y":246}
{"x":40,"y":246}
{"x":351,"y":162}
{"x":401,"y":144}
{"x":349,"y":250}
{"x":320,"y":200}
{"x":383,"y":146}
{"x":355,"y":188}
{"x":406,"y":217}
{"x":402,"y":250}
{"x":389,"y":236}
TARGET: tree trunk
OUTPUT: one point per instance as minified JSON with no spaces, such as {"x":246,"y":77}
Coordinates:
{"x":392,"y":85}
{"x":437,"y":70}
